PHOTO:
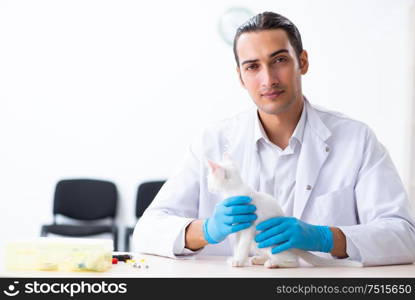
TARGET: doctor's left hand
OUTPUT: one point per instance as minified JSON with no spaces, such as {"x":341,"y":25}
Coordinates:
{"x":284,"y":233}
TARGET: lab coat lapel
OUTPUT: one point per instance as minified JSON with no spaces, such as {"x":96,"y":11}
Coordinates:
{"x":251,"y":172}
{"x":314,"y":152}
{"x":251,"y":168}
{"x":242,"y":147}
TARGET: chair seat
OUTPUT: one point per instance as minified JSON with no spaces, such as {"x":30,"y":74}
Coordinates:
{"x":77,"y":230}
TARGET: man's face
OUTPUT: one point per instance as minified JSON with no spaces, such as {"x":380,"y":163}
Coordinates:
{"x":269,"y":69}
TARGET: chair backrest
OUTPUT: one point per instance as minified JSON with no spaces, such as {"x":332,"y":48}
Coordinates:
{"x":146,"y":192}
{"x":85,"y":199}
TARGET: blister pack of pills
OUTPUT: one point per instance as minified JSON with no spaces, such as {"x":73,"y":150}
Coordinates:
{"x":59,"y":254}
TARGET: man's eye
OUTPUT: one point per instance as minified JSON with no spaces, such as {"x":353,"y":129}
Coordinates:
{"x":280,"y":59}
{"x":251,"y":67}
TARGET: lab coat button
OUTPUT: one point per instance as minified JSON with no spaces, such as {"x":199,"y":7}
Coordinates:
{"x":327,"y":149}
{"x":308,"y":187}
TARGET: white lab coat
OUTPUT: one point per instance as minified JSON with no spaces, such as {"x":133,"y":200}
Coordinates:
{"x":345,"y":178}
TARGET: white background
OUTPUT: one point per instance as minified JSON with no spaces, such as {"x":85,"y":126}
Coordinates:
{"x":117,"y":90}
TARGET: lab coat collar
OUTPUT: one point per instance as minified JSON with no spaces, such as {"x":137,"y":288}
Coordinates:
{"x":297,"y":135}
{"x":315,"y":122}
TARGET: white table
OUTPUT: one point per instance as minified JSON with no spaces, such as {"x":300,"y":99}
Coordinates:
{"x":216,"y":266}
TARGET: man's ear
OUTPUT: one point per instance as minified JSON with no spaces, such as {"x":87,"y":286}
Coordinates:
{"x":238,"y":69}
{"x":303,"y":62}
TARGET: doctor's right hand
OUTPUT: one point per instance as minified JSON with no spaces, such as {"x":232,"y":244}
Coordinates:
{"x":230,"y":215}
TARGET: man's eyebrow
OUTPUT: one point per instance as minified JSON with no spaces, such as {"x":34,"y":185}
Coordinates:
{"x":271,"y":55}
{"x":278,"y":52}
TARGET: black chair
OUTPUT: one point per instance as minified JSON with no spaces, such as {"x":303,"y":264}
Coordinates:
{"x":84,"y":200}
{"x":146,"y":192}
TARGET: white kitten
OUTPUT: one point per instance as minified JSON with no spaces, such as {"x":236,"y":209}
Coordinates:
{"x":224,"y":178}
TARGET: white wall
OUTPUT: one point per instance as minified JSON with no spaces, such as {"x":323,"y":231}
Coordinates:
{"x":117,"y":89}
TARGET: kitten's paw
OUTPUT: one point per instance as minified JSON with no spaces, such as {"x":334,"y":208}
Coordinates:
{"x":257,"y":260}
{"x":272,"y":264}
{"x":288,"y":264}
{"x":238,"y":262}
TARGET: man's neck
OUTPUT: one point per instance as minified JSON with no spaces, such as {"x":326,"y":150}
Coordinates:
{"x":280,"y":127}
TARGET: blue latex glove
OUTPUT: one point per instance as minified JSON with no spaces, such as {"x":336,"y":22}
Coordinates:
{"x":230,"y":215}
{"x":284,"y":233}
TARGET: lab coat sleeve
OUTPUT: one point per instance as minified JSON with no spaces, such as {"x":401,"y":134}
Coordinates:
{"x":386,"y":231}
{"x":161,"y":229}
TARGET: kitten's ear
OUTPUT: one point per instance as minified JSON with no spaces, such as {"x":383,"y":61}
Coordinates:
{"x":213,"y":167}
{"x":217,"y":170}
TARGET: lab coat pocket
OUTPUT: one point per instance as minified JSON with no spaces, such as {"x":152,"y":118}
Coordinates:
{"x":337,"y":208}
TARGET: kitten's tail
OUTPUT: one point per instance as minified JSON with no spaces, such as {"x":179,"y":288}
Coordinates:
{"x":318,"y":261}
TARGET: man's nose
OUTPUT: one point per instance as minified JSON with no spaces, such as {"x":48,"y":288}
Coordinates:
{"x":269,"y":78}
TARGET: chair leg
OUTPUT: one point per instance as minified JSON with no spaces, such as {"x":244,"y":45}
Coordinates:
{"x":115,"y":235}
{"x":127,"y":240}
{"x":43,"y":231}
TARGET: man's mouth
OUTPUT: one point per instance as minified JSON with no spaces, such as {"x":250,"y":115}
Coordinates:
{"x":272,"y":95}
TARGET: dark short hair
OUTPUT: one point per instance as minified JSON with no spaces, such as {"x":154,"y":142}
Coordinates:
{"x":270,"y":20}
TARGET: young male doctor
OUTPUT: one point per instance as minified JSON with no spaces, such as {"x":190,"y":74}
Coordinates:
{"x":337,"y":184}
